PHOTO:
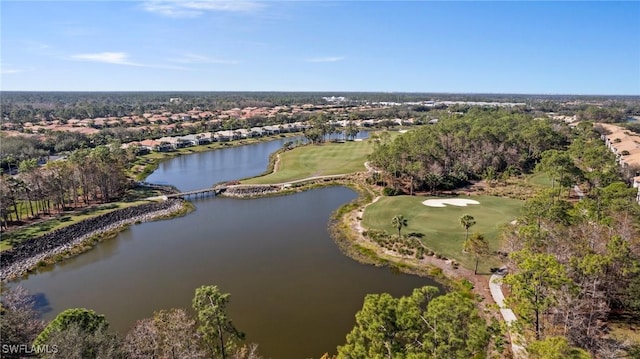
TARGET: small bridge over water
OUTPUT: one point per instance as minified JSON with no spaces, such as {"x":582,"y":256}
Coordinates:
{"x":212,"y":191}
{"x":248,"y":190}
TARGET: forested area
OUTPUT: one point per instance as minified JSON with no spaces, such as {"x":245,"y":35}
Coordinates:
{"x":22,"y":106}
{"x":88,"y":176}
{"x":461,"y":148}
{"x":19,"y":107}
{"x":420,"y":326}
{"x":575,"y":265}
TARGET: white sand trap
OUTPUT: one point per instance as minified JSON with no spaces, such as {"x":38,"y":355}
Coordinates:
{"x":358,"y":140}
{"x":403,"y":131}
{"x":460,"y":202}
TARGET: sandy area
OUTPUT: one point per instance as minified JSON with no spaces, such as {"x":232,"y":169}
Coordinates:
{"x":460,"y":202}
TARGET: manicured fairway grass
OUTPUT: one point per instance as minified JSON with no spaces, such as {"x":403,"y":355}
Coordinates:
{"x":319,"y":160}
{"x":441,"y":227}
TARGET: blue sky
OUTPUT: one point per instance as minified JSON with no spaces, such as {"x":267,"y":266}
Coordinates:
{"x":413,"y":46}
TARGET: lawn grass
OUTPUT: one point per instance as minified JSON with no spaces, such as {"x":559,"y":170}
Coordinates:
{"x":318,"y":160}
{"x":441,"y":227}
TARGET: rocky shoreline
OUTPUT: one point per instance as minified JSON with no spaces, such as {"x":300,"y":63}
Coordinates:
{"x":29,"y":254}
{"x":250,"y":191}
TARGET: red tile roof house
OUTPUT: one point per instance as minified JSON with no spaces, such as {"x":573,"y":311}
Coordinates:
{"x":158,"y":146}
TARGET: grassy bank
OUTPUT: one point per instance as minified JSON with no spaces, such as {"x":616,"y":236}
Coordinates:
{"x":340,"y":228}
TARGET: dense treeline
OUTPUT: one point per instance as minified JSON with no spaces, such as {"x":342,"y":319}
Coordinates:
{"x":576,"y":265}
{"x":20,"y":107}
{"x":421,"y":326}
{"x":87,"y":176}
{"x":460,"y":148}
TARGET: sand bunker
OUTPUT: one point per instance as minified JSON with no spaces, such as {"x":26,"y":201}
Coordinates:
{"x":460,"y":202}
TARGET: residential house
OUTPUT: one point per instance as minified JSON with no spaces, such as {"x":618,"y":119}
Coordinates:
{"x":271,"y":130}
{"x":192,"y":140}
{"x":257,"y":132}
{"x":223,"y":136}
{"x":626,"y":146}
{"x":156,"y":145}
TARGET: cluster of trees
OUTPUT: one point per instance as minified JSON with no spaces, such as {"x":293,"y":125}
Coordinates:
{"x":322,"y":126}
{"x":170,"y":334}
{"x":20,"y":107}
{"x":602,"y":114}
{"x":576,"y":265}
{"x":422,"y":325}
{"x":481,"y":143}
{"x":86,"y":176}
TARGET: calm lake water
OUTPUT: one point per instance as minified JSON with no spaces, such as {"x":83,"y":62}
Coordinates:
{"x":292,"y":291}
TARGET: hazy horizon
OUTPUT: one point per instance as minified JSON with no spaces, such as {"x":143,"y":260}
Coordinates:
{"x":521,"y":48}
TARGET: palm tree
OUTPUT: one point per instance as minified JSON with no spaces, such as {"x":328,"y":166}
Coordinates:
{"x":467,"y":222}
{"x":398,"y":222}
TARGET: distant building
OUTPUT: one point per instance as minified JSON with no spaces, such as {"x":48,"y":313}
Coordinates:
{"x":626,"y":146}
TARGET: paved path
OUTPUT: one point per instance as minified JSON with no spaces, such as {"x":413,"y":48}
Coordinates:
{"x":519,"y":352}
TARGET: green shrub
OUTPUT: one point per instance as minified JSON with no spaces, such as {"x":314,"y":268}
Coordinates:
{"x":388,"y":191}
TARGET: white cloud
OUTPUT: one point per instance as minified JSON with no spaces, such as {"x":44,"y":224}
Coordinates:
{"x":6,"y":71}
{"x":176,"y":8}
{"x":199,"y":59}
{"x":116,"y":58}
{"x":121,"y":58}
{"x":326,"y":59}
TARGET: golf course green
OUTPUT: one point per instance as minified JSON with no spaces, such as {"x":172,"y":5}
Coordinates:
{"x":441,"y":227}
